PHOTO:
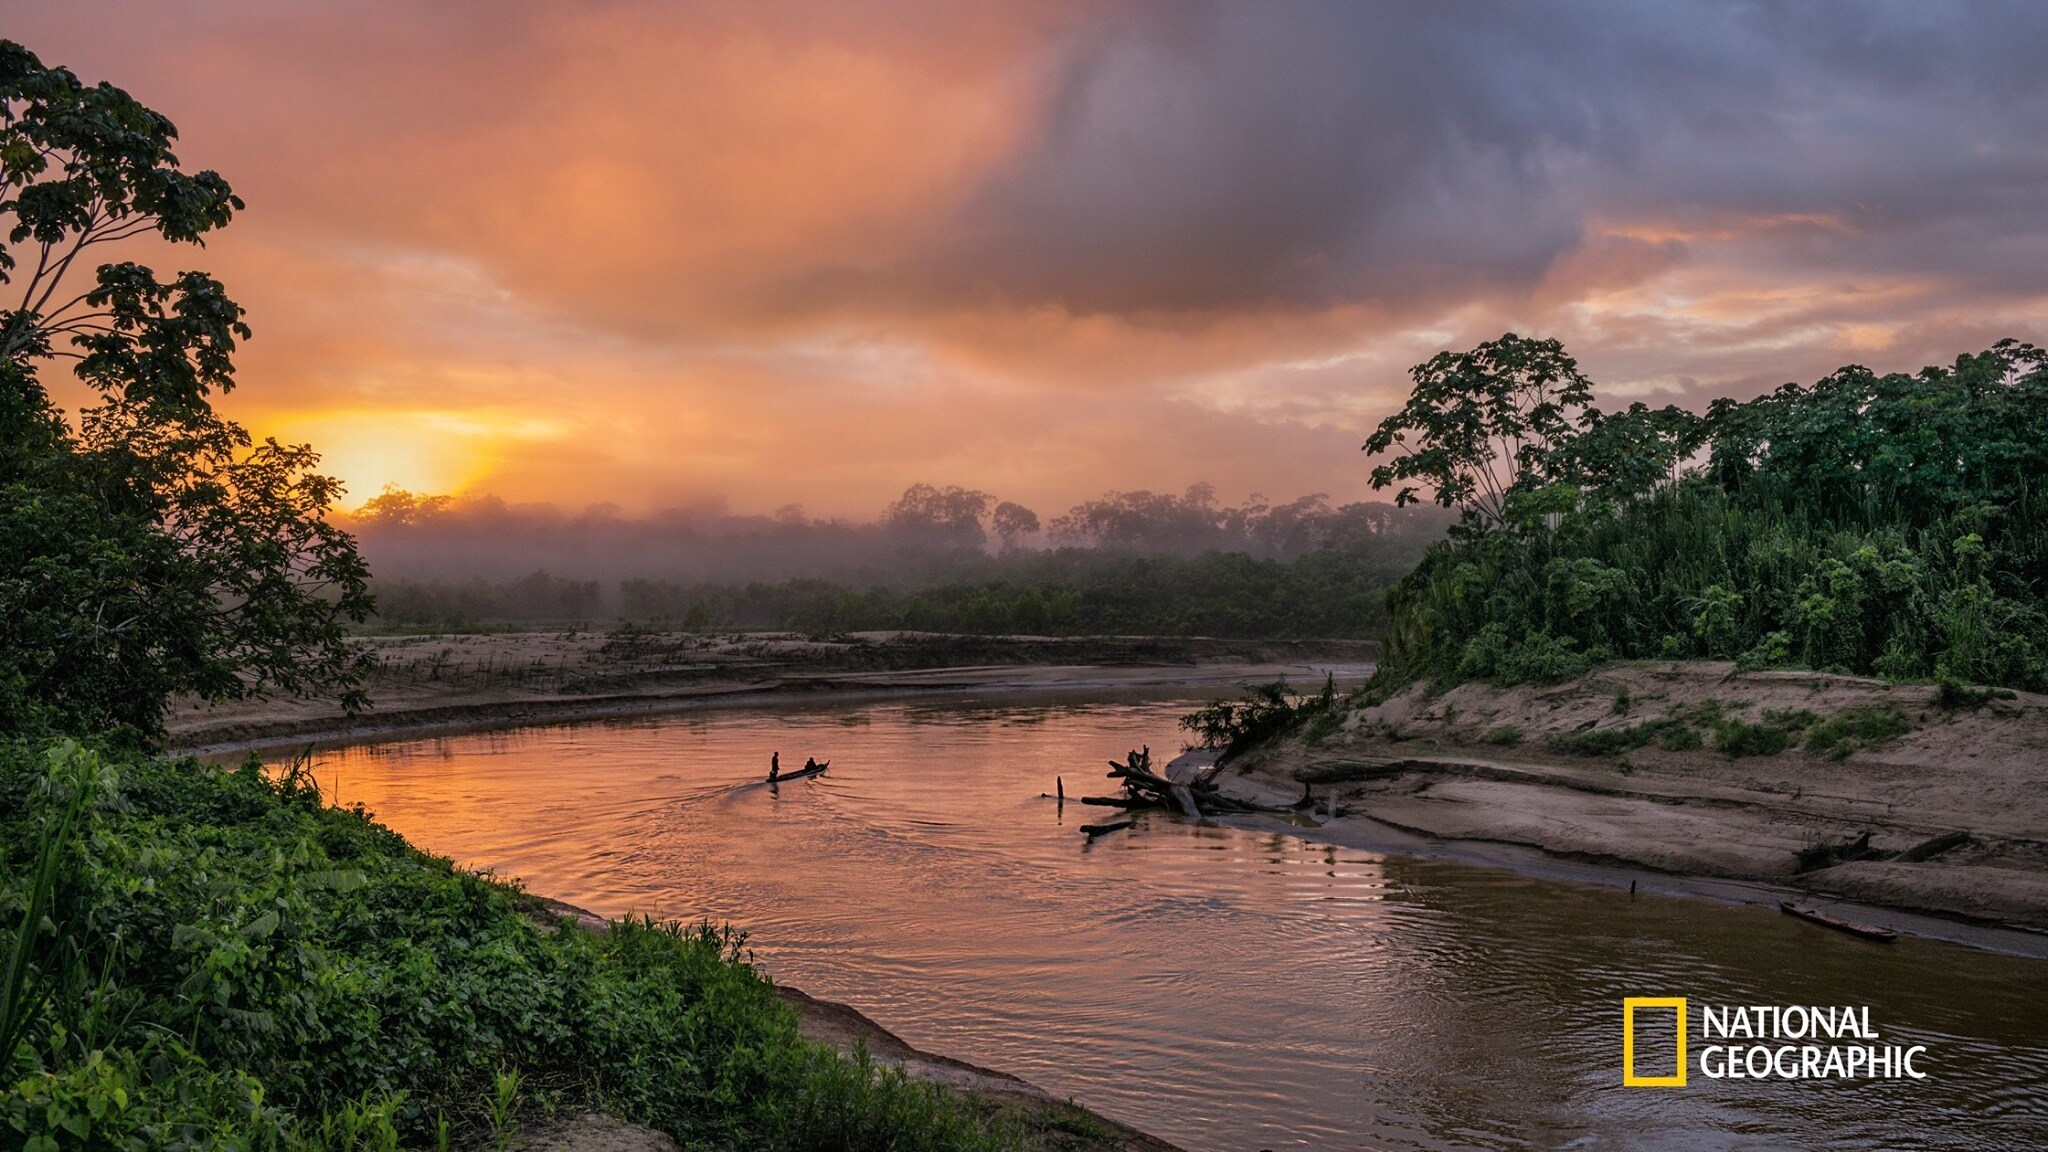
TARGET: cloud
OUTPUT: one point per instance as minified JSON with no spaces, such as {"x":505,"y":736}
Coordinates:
{"x":805,"y":251}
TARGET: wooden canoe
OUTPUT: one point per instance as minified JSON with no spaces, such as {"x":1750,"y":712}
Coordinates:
{"x":800,"y":773}
{"x":1815,"y":915}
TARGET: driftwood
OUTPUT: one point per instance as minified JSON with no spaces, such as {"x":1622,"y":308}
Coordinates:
{"x":1928,"y":849}
{"x":1143,"y":788}
{"x":1825,"y":855}
{"x":1353,"y":771}
{"x":1116,"y":802}
{"x":1107,"y":826}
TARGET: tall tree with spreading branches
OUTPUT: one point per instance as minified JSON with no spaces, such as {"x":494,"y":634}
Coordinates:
{"x":148,"y":546}
{"x":1483,"y":425}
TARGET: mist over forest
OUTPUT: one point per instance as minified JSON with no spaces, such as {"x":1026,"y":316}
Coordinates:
{"x":945,"y":558}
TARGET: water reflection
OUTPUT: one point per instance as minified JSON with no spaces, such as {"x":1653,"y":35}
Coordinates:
{"x":1222,"y":987}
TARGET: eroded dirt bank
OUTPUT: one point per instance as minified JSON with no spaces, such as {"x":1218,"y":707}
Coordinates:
{"x":452,"y":683}
{"x":1831,"y":785}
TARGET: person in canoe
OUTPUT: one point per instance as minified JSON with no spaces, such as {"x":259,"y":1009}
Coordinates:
{"x":810,"y":763}
{"x":774,"y":766}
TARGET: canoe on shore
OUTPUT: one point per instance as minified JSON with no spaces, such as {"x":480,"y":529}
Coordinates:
{"x":800,"y":773}
{"x":1867,"y":931}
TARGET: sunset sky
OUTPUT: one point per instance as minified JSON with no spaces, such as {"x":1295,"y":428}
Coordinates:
{"x":773,"y":253}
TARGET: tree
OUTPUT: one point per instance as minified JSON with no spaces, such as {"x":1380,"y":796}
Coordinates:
{"x":1483,"y":425}
{"x":1631,"y":453}
{"x":947,"y":517}
{"x":151,"y":548}
{"x":1012,"y":520}
{"x":1156,"y":521}
{"x":395,"y":507}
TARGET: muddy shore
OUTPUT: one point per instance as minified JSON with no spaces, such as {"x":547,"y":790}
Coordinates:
{"x":432,"y":684}
{"x":1878,"y":795}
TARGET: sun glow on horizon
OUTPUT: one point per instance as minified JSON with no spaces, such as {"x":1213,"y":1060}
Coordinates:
{"x":437,"y":452}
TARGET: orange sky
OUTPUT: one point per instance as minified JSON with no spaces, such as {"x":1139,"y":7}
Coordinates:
{"x":813,"y":252}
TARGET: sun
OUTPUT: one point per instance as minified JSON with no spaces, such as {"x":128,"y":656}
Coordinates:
{"x":430,"y":452}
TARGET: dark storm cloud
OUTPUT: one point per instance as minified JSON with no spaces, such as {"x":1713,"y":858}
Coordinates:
{"x":1198,"y":157}
{"x":639,"y":252}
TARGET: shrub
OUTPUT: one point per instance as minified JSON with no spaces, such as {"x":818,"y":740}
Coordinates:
{"x":1682,"y":738}
{"x":1621,"y":738}
{"x":1864,"y":726}
{"x":1264,"y":712}
{"x":1736,"y":738}
{"x":225,"y":962}
{"x":1951,"y":695}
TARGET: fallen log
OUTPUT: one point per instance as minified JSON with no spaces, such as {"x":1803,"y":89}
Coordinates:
{"x":1117,"y":802}
{"x":1106,"y":827}
{"x":1824,"y":855}
{"x":1353,"y":771}
{"x":1928,"y":849}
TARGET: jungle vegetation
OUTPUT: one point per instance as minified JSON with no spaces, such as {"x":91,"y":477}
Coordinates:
{"x":936,"y":559}
{"x":1873,"y":524}
{"x":1329,"y":593}
{"x":209,"y":959}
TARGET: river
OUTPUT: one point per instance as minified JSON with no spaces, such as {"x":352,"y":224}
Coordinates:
{"x":1222,"y":987}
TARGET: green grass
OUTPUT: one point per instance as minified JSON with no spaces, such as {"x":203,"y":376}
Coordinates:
{"x":1864,"y":726}
{"x":217,"y":960}
{"x":1621,"y":738}
{"x":1952,"y":695}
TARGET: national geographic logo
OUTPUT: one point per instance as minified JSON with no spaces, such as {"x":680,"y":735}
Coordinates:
{"x":1629,"y":1006}
{"x":1760,"y":1042}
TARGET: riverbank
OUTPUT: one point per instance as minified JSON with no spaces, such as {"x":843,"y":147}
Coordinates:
{"x":291,"y":973}
{"x":1054,"y":1123}
{"x":1810,"y":784}
{"x":424,"y":684}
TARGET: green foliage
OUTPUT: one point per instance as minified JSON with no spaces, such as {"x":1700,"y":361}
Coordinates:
{"x":1622,"y":737}
{"x":1738,"y":738}
{"x":148,"y":547}
{"x":1874,"y":525}
{"x":230,"y":964}
{"x":1683,"y":738}
{"x":1505,"y":736}
{"x":1951,"y":695}
{"x":1263,"y":713}
{"x":1483,"y":425}
{"x":1864,"y":726}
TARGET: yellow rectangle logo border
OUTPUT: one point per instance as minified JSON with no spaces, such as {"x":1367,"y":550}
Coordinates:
{"x":1629,"y":1004}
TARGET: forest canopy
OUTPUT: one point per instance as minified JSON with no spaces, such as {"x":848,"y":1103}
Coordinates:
{"x":1866,"y":523}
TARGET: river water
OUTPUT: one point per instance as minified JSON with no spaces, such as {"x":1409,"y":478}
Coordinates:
{"x":1222,"y":987}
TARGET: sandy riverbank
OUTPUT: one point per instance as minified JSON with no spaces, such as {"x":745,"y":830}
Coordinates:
{"x":1621,"y":769}
{"x":434,"y":684}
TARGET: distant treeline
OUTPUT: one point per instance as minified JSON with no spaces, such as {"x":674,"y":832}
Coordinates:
{"x":1875,"y":524}
{"x":919,"y":540}
{"x":1332,"y":592}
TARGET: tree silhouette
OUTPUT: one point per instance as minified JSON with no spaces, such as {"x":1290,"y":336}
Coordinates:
{"x":150,"y":547}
